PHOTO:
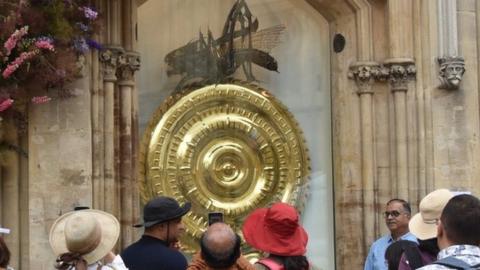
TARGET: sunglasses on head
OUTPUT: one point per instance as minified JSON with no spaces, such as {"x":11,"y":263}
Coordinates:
{"x":393,"y":213}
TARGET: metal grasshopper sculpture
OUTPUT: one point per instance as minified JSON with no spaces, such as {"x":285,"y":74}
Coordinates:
{"x":209,"y":60}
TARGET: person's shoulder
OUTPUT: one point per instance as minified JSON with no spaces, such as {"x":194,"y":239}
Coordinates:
{"x":131,"y":249}
{"x":433,"y":267}
{"x":197,"y":263}
{"x":409,"y":237}
{"x":172,"y":257}
{"x":382,"y":240}
{"x":134,"y":245}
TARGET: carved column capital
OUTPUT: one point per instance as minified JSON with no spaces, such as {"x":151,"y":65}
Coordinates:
{"x":451,"y":70}
{"x":110,"y":58}
{"x":128,"y":63}
{"x":400,"y":72}
{"x":364,"y":74}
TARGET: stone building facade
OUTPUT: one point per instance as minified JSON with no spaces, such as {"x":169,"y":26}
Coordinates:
{"x":405,"y":117}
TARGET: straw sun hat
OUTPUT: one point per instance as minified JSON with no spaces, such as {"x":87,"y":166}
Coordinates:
{"x":91,"y":233}
{"x":424,"y":224}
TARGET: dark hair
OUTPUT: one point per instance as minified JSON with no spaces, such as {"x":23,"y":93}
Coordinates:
{"x":405,"y":204}
{"x":394,"y":252}
{"x":220,"y":259}
{"x":4,"y":254}
{"x":293,"y":262}
{"x":429,"y":246}
{"x":461,"y":220}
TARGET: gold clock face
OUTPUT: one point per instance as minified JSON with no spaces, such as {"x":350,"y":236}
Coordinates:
{"x":227,"y":148}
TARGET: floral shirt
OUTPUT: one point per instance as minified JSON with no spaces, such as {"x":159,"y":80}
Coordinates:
{"x":467,"y":253}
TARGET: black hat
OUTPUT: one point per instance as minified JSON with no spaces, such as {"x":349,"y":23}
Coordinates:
{"x":162,"y":209}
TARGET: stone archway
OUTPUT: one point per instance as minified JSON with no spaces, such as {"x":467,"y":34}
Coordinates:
{"x":353,"y":20}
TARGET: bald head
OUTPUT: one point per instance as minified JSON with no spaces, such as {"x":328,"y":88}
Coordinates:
{"x":220,"y":246}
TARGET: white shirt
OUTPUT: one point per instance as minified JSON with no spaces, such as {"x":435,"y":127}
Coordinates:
{"x":117,"y":264}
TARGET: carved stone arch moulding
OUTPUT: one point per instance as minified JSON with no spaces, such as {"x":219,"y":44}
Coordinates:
{"x":227,"y":148}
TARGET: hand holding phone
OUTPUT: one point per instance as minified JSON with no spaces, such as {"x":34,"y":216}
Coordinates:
{"x":214,"y":217}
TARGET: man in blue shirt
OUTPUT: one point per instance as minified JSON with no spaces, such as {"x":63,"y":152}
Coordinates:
{"x":397,"y":216}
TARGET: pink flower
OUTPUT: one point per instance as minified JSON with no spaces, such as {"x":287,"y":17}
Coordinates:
{"x":17,"y":62}
{"x":9,"y":70}
{"x":5,"y":104}
{"x":44,"y":44}
{"x":40,"y":100}
{"x":14,"y":38}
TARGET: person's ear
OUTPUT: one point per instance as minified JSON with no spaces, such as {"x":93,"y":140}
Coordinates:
{"x":440,"y":229}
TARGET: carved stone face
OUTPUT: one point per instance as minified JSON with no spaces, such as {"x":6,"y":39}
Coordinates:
{"x":451,"y":72}
{"x":454,"y":73}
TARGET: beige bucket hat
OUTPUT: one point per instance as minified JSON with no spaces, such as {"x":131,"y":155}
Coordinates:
{"x":424,"y":224}
{"x":92,"y":233}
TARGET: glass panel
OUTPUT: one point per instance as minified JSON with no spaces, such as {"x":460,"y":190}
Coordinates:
{"x":302,"y":84}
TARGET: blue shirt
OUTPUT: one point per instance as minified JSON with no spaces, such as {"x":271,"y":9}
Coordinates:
{"x":376,"y":255}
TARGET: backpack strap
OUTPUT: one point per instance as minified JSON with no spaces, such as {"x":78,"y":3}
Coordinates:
{"x":270,"y":264}
{"x":454,"y":263}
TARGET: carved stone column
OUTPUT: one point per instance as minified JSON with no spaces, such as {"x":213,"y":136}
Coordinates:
{"x":364,"y":74}
{"x":400,"y":72}
{"x":97,"y":132}
{"x":451,"y":66}
{"x":109,"y":58}
{"x":10,"y":193}
{"x":400,"y":28}
{"x":128,"y":64}
{"x":401,"y":53}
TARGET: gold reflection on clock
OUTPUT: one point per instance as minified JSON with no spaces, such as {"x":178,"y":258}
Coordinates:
{"x":227,"y":148}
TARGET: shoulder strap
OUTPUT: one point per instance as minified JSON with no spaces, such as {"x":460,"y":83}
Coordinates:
{"x":270,"y":264}
{"x":454,"y":263}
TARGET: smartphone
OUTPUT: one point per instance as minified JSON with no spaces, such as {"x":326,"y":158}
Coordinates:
{"x":214,"y":217}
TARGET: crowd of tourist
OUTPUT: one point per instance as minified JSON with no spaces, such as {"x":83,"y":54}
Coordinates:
{"x":445,"y":234}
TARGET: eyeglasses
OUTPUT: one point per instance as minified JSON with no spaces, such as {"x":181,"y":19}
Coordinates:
{"x":393,"y":213}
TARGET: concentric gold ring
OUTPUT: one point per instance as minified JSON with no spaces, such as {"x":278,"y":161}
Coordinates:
{"x":227,"y":148}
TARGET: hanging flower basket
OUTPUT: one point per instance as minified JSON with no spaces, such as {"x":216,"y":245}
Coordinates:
{"x":40,"y":43}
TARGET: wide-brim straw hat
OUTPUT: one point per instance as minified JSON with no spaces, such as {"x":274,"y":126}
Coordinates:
{"x":424,"y":224}
{"x":276,"y":230}
{"x":74,"y":228}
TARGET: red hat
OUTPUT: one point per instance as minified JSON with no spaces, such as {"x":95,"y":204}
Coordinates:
{"x":276,"y":230}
